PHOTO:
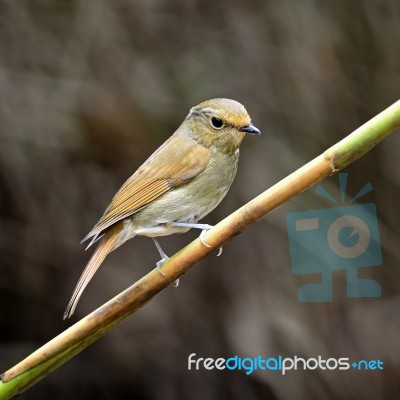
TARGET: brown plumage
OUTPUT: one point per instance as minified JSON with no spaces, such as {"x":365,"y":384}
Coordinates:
{"x":179,"y":184}
{"x":162,"y":172}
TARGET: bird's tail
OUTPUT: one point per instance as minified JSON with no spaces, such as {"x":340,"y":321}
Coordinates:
{"x":108,"y":243}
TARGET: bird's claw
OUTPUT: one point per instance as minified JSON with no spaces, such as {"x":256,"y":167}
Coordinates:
{"x":160,"y":263}
{"x":176,"y":283}
{"x":201,"y":237}
{"x":202,"y":240}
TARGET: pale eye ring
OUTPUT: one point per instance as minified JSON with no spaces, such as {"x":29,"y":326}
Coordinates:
{"x":217,"y":123}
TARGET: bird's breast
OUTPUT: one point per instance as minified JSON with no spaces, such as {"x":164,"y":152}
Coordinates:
{"x":190,"y":202}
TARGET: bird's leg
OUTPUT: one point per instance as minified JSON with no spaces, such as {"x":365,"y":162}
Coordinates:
{"x":204,"y":228}
{"x":164,"y":258}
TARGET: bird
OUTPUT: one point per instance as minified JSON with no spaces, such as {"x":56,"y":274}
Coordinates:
{"x":178,"y":185}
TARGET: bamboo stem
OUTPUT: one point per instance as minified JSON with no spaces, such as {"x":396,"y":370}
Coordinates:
{"x":86,"y":331}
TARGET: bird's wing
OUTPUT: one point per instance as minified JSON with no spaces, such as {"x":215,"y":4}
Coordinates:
{"x":175,"y":163}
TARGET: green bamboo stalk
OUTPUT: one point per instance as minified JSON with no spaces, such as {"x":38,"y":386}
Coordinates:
{"x":86,"y":331}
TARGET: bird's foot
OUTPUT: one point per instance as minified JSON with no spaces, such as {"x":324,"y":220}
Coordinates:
{"x":204,"y":228}
{"x":202,"y":235}
{"x":202,"y":239}
{"x":160,"y":263}
{"x":164,"y":258}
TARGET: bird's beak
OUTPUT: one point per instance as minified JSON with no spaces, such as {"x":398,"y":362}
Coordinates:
{"x":250,"y":129}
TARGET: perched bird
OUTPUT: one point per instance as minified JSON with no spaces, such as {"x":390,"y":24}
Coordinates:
{"x":179,"y":184}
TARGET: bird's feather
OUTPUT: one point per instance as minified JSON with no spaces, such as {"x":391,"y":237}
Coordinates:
{"x":107,"y":244}
{"x":168,"y":168}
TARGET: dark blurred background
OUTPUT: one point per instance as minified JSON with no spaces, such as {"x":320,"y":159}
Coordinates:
{"x":88,"y":89}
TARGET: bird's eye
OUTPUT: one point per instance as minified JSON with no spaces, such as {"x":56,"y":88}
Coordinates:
{"x":216,"y":123}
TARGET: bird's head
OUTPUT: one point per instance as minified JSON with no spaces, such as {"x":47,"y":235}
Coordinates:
{"x":222,"y":123}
